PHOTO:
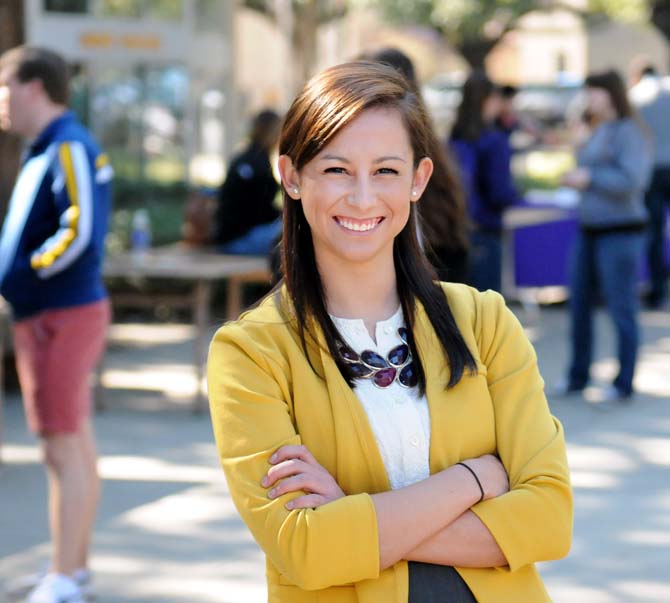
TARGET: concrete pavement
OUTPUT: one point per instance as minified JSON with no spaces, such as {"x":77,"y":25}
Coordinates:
{"x":167,"y":531}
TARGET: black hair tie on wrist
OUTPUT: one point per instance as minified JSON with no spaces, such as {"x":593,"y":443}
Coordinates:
{"x":481,"y":498}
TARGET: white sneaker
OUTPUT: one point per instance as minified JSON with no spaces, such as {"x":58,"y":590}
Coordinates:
{"x":611,"y":393}
{"x":84,"y":579}
{"x":18,"y":589}
{"x":56,"y":588}
{"x":563,"y":389}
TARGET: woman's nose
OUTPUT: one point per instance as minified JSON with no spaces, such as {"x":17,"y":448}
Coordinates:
{"x":362,"y":195}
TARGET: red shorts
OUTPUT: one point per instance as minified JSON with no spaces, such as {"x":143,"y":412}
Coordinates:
{"x":56,"y":351}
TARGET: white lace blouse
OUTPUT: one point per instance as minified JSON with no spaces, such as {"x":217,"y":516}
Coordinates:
{"x":398,"y":416}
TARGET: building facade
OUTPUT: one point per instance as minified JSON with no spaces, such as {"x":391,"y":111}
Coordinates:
{"x":154,"y":80}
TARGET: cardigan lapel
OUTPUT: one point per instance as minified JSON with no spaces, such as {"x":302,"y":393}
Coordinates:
{"x":437,"y":375}
{"x":360,"y":466}
{"x":464,"y":408}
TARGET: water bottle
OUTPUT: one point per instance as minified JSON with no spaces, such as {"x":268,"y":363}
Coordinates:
{"x":140,"y":233}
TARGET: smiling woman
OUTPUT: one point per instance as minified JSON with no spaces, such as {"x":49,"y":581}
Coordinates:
{"x":356,"y":193}
{"x":368,"y":417}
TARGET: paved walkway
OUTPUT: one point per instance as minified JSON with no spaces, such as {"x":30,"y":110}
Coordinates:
{"x":167,"y":531}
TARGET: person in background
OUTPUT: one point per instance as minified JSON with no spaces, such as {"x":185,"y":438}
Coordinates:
{"x":612,"y":172}
{"x":509,"y":120}
{"x":247,"y":220}
{"x":367,"y":417}
{"x":51,"y":251}
{"x":484,"y":155}
{"x":652,"y":101}
{"x":444,"y":223}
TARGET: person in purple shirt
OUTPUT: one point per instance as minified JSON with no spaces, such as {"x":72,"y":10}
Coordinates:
{"x":483,"y":154}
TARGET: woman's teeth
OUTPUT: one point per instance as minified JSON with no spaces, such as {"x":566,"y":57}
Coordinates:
{"x":358,"y":226}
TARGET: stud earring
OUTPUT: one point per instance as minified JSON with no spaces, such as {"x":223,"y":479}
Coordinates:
{"x":295,"y":190}
{"x":413,"y":193}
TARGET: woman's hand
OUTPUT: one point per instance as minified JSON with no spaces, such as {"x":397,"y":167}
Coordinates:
{"x":299,"y":470}
{"x":579,"y":178}
{"x":491,"y":474}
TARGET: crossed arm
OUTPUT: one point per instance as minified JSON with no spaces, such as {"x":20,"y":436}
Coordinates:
{"x":428,"y":521}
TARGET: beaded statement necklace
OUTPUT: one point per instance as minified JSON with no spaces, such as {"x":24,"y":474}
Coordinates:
{"x":397,"y":366}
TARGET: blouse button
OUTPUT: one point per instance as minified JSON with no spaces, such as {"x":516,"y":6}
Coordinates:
{"x":414,"y":441}
{"x":388,"y":329}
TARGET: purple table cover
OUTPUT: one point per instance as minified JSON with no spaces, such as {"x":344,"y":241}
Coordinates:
{"x":542,"y":251}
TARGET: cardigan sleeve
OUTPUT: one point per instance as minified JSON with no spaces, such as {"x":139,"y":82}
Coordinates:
{"x":533,"y":521}
{"x":334,"y":544}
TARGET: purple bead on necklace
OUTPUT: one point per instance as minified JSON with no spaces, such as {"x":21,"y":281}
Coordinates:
{"x":397,"y":366}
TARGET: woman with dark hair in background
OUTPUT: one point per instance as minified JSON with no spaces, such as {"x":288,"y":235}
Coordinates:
{"x":247,"y":221}
{"x":444,"y":223}
{"x":367,"y":417}
{"x":612,"y":174}
{"x":484,"y":154}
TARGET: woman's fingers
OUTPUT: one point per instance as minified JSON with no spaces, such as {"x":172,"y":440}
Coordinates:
{"x":291,"y":452}
{"x":308,"y":501}
{"x":295,"y":483}
{"x":295,"y":469}
{"x":283,"y":470}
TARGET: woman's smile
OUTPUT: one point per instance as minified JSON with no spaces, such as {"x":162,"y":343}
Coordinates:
{"x":355,"y":225}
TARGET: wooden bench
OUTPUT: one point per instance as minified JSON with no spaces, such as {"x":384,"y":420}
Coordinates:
{"x":200,"y":268}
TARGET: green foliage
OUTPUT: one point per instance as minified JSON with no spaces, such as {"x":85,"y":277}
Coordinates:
{"x":622,"y":10}
{"x":474,"y":26}
{"x":460,"y":20}
{"x":323,"y":10}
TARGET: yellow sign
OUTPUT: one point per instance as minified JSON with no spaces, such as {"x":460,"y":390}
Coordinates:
{"x":103,"y":40}
{"x":96,"y":40}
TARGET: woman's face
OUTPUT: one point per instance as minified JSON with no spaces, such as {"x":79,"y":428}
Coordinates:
{"x":599,"y":102}
{"x":356,"y":192}
{"x":492,"y":107}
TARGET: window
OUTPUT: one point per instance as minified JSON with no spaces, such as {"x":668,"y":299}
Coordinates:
{"x":167,"y":10}
{"x":66,"y":6}
{"x":120,"y":8}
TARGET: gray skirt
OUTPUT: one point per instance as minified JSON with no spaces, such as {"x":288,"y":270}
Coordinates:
{"x":430,"y":583}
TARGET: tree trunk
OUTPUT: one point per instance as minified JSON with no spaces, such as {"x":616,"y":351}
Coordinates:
{"x":304,"y":42}
{"x":476,"y":51}
{"x":11,"y":34}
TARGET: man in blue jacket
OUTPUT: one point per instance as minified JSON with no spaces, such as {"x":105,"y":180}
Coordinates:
{"x":51,"y":248}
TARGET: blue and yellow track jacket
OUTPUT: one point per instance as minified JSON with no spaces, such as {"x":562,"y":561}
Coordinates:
{"x":52,"y":240}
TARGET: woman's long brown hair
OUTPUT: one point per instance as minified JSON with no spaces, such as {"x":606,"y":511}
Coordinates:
{"x":330,"y":101}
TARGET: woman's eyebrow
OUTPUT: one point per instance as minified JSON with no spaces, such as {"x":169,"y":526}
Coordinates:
{"x":378,"y":160}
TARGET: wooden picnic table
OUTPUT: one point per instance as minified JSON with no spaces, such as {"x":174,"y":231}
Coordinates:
{"x":199,"y":267}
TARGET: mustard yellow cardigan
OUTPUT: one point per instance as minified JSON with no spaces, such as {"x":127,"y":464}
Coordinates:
{"x":264,"y":394}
